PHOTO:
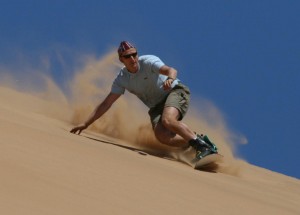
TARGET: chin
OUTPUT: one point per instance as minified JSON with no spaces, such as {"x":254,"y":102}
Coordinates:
{"x":135,"y":68}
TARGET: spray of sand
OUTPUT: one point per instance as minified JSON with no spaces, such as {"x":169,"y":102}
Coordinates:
{"x":128,"y":118}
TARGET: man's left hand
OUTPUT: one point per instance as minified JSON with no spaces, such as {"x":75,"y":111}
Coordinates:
{"x":168,"y":84}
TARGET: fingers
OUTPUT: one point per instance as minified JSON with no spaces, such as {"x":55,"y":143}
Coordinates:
{"x":168,"y":84}
{"x":78,"y":129}
{"x":75,"y":130}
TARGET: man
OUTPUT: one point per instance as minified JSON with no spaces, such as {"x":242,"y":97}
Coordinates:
{"x":156,"y":84}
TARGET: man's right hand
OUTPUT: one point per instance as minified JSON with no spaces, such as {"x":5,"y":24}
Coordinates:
{"x":78,"y":129}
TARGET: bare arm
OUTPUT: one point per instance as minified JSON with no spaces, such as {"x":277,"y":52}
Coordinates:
{"x":97,"y":113}
{"x":171,"y":73}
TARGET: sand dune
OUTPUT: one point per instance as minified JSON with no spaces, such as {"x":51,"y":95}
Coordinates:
{"x":47,"y":170}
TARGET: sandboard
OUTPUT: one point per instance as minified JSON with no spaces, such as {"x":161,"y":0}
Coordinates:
{"x":207,"y":160}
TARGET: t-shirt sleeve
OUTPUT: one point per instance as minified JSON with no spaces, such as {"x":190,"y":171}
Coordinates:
{"x":116,"y":87}
{"x":154,"y":62}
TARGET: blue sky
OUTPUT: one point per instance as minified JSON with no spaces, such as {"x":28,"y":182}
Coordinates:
{"x":244,"y":55}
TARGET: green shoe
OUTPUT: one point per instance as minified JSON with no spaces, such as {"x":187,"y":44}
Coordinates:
{"x":203,"y":153}
{"x":201,"y":147}
{"x":212,"y":146}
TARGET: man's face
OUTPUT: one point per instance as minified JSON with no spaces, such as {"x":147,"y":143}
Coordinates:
{"x":130,"y":59}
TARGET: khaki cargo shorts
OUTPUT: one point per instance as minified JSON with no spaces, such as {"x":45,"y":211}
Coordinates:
{"x":179,"y":98}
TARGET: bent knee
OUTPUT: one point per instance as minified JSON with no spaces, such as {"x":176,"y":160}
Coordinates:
{"x":167,"y":122}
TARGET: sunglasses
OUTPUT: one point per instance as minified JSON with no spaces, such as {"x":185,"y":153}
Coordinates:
{"x":127,"y":56}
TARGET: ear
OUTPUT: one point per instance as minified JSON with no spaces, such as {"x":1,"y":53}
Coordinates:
{"x":120,"y":59}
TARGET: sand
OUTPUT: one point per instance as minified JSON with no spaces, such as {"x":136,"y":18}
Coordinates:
{"x":47,"y":170}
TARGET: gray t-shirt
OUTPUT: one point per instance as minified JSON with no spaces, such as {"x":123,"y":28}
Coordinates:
{"x":146,"y":83}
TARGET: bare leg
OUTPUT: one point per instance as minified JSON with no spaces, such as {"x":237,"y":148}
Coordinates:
{"x":172,"y":132}
{"x":167,"y":137}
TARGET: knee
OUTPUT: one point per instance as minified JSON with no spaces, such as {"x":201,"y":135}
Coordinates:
{"x":167,"y":122}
